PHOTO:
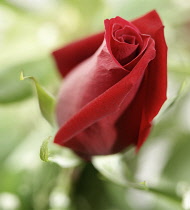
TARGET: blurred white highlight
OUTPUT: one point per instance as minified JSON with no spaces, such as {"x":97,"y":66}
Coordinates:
{"x":48,"y":35}
{"x":186,"y":201}
{"x":9,"y":201}
{"x":59,"y":200}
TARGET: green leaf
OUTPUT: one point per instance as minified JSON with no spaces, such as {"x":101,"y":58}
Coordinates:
{"x":111,"y":167}
{"x":45,"y":99}
{"x":115,"y":169}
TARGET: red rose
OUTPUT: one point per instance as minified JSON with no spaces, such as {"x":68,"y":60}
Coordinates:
{"x":114,"y":85}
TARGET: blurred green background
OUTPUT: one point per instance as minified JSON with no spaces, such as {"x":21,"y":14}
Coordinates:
{"x":29,"y":31}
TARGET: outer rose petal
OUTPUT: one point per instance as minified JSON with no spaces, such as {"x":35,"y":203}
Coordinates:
{"x":156,"y":85}
{"x":156,"y":79}
{"x":135,"y":123}
{"x":76,"y":52}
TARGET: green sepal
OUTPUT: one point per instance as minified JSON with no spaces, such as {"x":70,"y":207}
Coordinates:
{"x":45,"y":99}
{"x":44,"y":151}
{"x":63,"y":157}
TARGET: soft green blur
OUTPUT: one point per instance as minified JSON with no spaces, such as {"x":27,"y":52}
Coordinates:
{"x":29,"y":31}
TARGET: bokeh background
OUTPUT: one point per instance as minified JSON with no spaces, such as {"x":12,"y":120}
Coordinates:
{"x":29,"y":31}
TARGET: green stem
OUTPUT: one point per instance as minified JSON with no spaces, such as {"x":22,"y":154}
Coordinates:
{"x":172,"y":197}
{"x":164,"y":194}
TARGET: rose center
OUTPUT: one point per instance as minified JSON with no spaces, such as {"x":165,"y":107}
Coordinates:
{"x":126,"y":38}
{"x":126,"y":34}
{"x":126,"y":43}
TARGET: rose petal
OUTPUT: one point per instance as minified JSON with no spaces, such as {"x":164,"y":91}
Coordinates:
{"x":128,"y":30}
{"x":156,"y":85}
{"x":114,"y":99}
{"x":138,"y":117}
{"x":124,"y":52}
{"x":111,"y":26}
{"x":69,"y":56}
{"x":156,"y":80}
{"x":86,"y":82}
{"x":129,"y":66}
{"x":149,"y":23}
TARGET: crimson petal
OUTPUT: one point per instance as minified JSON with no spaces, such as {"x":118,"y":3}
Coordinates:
{"x":72,"y":54}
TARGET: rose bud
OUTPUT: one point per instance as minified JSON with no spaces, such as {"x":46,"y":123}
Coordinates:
{"x":114,"y":85}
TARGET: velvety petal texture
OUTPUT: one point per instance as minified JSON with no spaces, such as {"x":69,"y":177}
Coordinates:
{"x":114,"y":85}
